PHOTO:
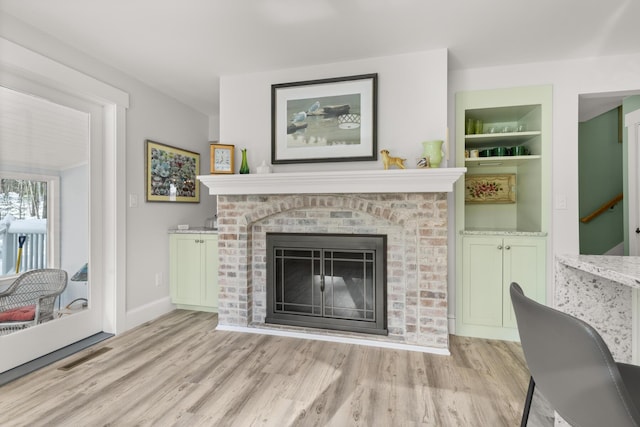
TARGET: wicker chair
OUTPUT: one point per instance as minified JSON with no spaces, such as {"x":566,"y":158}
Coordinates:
{"x":30,"y":299}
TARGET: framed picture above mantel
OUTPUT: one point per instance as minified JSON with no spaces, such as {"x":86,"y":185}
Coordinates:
{"x":328,"y":120}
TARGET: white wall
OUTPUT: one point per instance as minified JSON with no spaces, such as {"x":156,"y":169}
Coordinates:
{"x":158,"y":118}
{"x":412,"y":106}
{"x":151,"y":115}
{"x":569,"y":80}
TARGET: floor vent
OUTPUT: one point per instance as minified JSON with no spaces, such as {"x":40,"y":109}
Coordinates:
{"x":83,"y":359}
{"x":19,"y":371}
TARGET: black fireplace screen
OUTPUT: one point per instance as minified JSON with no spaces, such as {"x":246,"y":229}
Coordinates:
{"x":327,"y":281}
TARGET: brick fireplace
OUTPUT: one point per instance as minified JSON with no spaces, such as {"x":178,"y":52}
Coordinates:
{"x":414,"y":221}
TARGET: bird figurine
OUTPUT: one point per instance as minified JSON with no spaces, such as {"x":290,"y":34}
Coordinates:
{"x":424,"y":162}
{"x":388,"y":160}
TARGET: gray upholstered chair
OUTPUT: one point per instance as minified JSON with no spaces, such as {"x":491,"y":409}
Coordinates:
{"x":30,"y":299}
{"x":573,"y":368}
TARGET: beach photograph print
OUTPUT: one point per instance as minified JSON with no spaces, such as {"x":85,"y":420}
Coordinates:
{"x":325,"y":120}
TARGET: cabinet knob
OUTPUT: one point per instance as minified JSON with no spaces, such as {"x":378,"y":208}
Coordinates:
{"x":500,"y":247}
{"x":507,"y":247}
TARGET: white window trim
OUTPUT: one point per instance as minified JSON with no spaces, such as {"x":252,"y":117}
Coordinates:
{"x":53,"y":211}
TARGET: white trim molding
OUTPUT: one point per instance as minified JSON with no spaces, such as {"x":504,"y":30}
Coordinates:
{"x":437,"y":180}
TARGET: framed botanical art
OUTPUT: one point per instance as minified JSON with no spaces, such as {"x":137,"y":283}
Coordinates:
{"x":221,"y":160}
{"x":329,"y":120}
{"x":171,"y":174}
{"x":498,"y":188}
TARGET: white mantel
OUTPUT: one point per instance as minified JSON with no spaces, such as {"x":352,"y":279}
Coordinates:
{"x":437,"y":180}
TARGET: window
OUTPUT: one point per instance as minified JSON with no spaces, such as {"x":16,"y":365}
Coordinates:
{"x":28,"y":236}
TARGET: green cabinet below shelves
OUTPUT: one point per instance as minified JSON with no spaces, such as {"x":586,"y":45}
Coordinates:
{"x":194,"y":271}
{"x":489,"y":265}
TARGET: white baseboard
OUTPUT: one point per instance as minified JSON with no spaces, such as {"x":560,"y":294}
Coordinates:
{"x":339,"y":339}
{"x":148,"y":312}
{"x":452,"y":324}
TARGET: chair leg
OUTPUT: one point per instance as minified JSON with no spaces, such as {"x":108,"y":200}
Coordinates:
{"x":527,"y":403}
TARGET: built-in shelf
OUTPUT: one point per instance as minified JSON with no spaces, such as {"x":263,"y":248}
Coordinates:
{"x":486,"y":140}
{"x":431,"y":180}
{"x":499,"y":161}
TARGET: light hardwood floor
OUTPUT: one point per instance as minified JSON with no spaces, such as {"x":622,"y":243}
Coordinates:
{"x":179,"y":371}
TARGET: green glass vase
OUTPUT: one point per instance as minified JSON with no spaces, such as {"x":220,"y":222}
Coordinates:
{"x":244,"y":166}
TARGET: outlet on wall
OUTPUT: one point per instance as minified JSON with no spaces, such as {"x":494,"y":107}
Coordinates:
{"x":158,"y":279}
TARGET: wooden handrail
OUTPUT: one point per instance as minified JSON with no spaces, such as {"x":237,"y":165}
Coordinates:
{"x":602,"y":209}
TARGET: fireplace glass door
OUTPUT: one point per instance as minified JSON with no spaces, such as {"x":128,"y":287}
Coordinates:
{"x":327,"y":281}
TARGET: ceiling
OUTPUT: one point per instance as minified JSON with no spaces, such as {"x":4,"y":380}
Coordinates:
{"x":38,"y":134}
{"x":183,"y":47}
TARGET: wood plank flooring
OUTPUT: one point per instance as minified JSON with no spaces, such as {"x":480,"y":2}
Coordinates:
{"x":179,"y":371}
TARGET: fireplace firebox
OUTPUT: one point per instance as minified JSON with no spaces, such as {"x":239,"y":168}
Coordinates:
{"x":329,"y":281}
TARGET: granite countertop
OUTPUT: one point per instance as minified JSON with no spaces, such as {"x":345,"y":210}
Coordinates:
{"x":621,"y":269}
{"x":194,"y":230}
{"x":498,"y":232}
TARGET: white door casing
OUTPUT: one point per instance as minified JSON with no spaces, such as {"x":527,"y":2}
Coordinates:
{"x":632,"y":122}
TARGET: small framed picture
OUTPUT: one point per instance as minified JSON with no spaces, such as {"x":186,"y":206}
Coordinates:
{"x":499,"y":188}
{"x":171,"y":173}
{"x":222,"y":158}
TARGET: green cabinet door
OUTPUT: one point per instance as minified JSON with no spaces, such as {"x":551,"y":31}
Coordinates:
{"x":194,"y":271}
{"x":524,"y":263}
{"x":482,"y":281}
{"x":210,"y":270}
{"x":185,"y":268}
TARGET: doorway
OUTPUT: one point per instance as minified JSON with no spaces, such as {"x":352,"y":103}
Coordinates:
{"x":104,"y":107}
{"x":604,"y":168}
{"x":46,"y":144}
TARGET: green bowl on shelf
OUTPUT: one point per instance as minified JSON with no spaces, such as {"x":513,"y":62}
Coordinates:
{"x":499,"y":151}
